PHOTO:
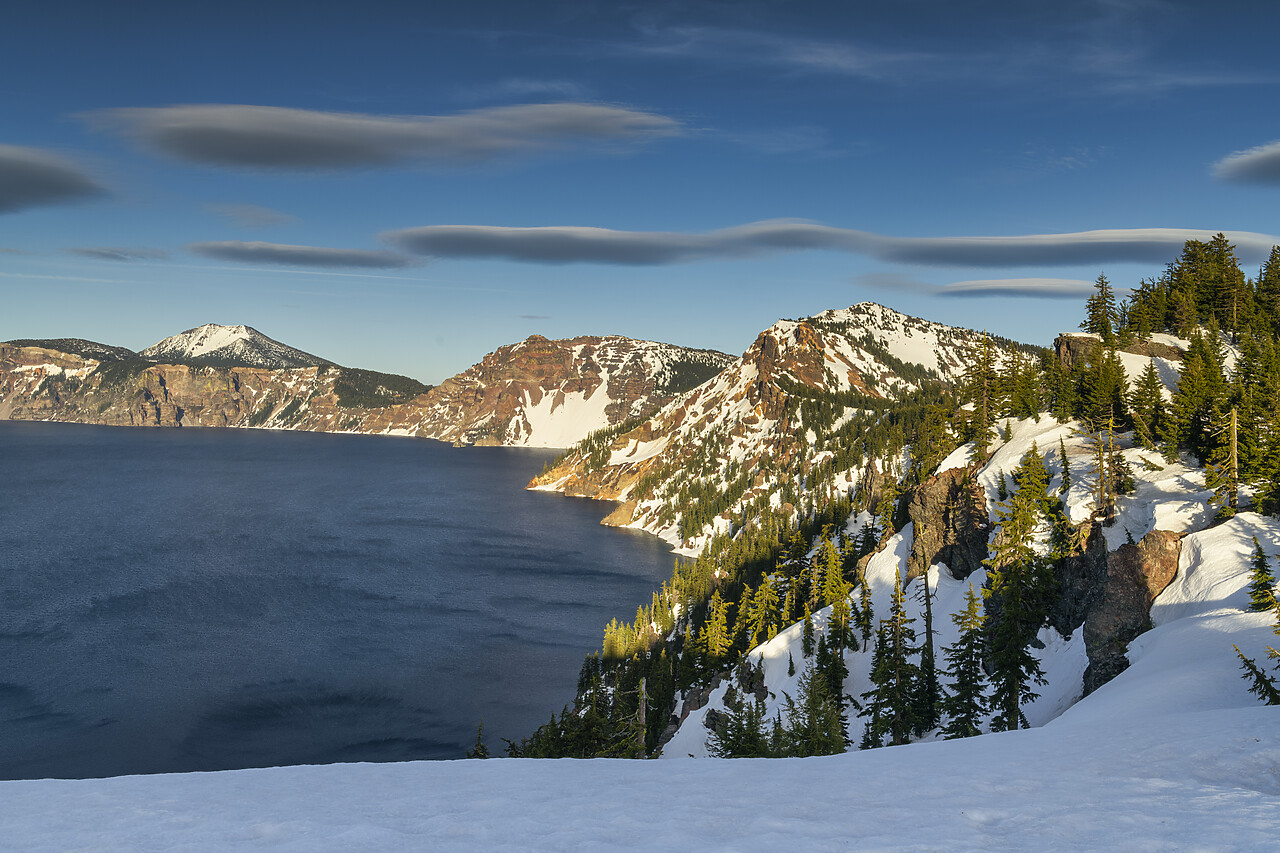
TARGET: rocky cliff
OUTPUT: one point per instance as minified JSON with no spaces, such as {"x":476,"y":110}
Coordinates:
{"x":534,"y":393}
{"x":546,"y":393}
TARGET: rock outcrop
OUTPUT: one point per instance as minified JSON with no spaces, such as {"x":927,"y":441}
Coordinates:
{"x":948,"y":513}
{"x":1073,"y":349}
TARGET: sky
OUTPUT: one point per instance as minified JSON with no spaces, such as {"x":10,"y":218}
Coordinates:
{"x":405,"y":186}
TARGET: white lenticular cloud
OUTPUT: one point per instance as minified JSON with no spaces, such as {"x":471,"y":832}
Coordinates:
{"x":298,"y":256}
{"x":1045,"y":288}
{"x":1259,"y":165}
{"x":284,"y":138}
{"x":578,"y":244}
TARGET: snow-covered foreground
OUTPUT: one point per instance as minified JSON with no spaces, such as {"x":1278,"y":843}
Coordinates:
{"x":1173,"y":754}
{"x":1189,"y":781}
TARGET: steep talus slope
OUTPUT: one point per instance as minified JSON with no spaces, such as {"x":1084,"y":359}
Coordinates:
{"x":545,"y":393}
{"x":767,"y":414}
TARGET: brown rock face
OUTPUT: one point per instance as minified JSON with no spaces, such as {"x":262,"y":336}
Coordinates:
{"x":490,"y":399}
{"x":1075,"y":349}
{"x":949,"y":516}
{"x":1135,"y":575}
{"x":482,"y":405}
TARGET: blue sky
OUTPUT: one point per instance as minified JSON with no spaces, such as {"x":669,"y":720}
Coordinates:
{"x":405,"y":187}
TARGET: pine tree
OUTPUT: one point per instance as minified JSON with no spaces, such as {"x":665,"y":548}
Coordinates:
{"x":1262,"y":582}
{"x":964,"y":704}
{"x":1146,"y":407}
{"x":981,"y":389}
{"x":866,"y":617}
{"x":1222,"y":469}
{"x":813,"y":720}
{"x":740,"y":730}
{"x":890,"y":704}
{"x":1017,"y":593}
{"x":928,"y":691}
{"x":479,"y":750}
{"x":1066,"y":466}
{"x":1100,"y":311}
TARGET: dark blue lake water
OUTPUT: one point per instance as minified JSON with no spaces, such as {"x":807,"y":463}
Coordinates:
{"x":176,"y":600}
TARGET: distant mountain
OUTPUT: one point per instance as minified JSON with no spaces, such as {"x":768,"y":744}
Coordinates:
{"x":544,"y":393}
{"x":535,"y":393}
{"x":78,"y":346}
{"x":229,"y":346}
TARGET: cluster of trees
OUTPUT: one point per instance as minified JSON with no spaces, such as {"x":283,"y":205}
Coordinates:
{"x":1229,"y":424}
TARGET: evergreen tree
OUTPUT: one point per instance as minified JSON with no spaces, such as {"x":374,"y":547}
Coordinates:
{"x":1222,"y":469}
{"x":1262,"y":582}
{"x":1100,"y":311}
{"x":890,"y":705}
{"x":1066,"y":466}
{"x":1198,"y":403}
{"x":866,"y":617}
{"x":1017,"y":593}
{"x":740,"y":730}
{"x":1146,"y":407}
{"x":980,"y":384}
{"x":928,"y":691}
{"x":964,"y":704}
{"x":812,"y":719}
{"x":479,"y":750}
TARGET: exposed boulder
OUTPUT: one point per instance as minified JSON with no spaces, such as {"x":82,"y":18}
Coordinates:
{"x":1135,"y":575}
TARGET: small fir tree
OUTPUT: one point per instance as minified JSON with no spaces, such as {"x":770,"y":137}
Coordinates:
{"x":480,"y":750}
{"x":1262,"y":582}
{"x":965,"y":704}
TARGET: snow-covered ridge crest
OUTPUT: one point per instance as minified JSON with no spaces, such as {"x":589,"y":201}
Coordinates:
{"x":544,"y":393}
{"x":230,"y":345}
{"x":754,"y":414}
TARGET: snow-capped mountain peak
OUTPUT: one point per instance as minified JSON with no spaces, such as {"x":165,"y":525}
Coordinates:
{"x":230,"y":345}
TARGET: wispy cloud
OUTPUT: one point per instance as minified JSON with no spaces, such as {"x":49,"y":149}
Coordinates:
{"x":251,"y":215}
{"x":1043,"y":288}
{"x":516,"y":88}
{"x":284,"y":138}
{"x":118,"y":253}
{"x":1109,"y":47}
{"x":778,"y":50}
{"x":299,"y":256}
{"x":575,"y":244}
{"x":1259,"y":165}
{"x":30,"y":177}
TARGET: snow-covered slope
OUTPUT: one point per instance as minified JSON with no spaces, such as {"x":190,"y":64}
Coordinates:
{"x":230,"y":345}
{"x":752,"y":417}
{"x":544,"y":393}
{"x":1169,"y":496}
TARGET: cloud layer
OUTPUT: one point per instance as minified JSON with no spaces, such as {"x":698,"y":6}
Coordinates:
{"x":284,"y":138}
{"x":574,"y":244}
{"x":299,"y":256}
{"x":251,"y":215}
{"x":30,"y":177}
{"x":119,"y":253}
{"x":1259,"y":165}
